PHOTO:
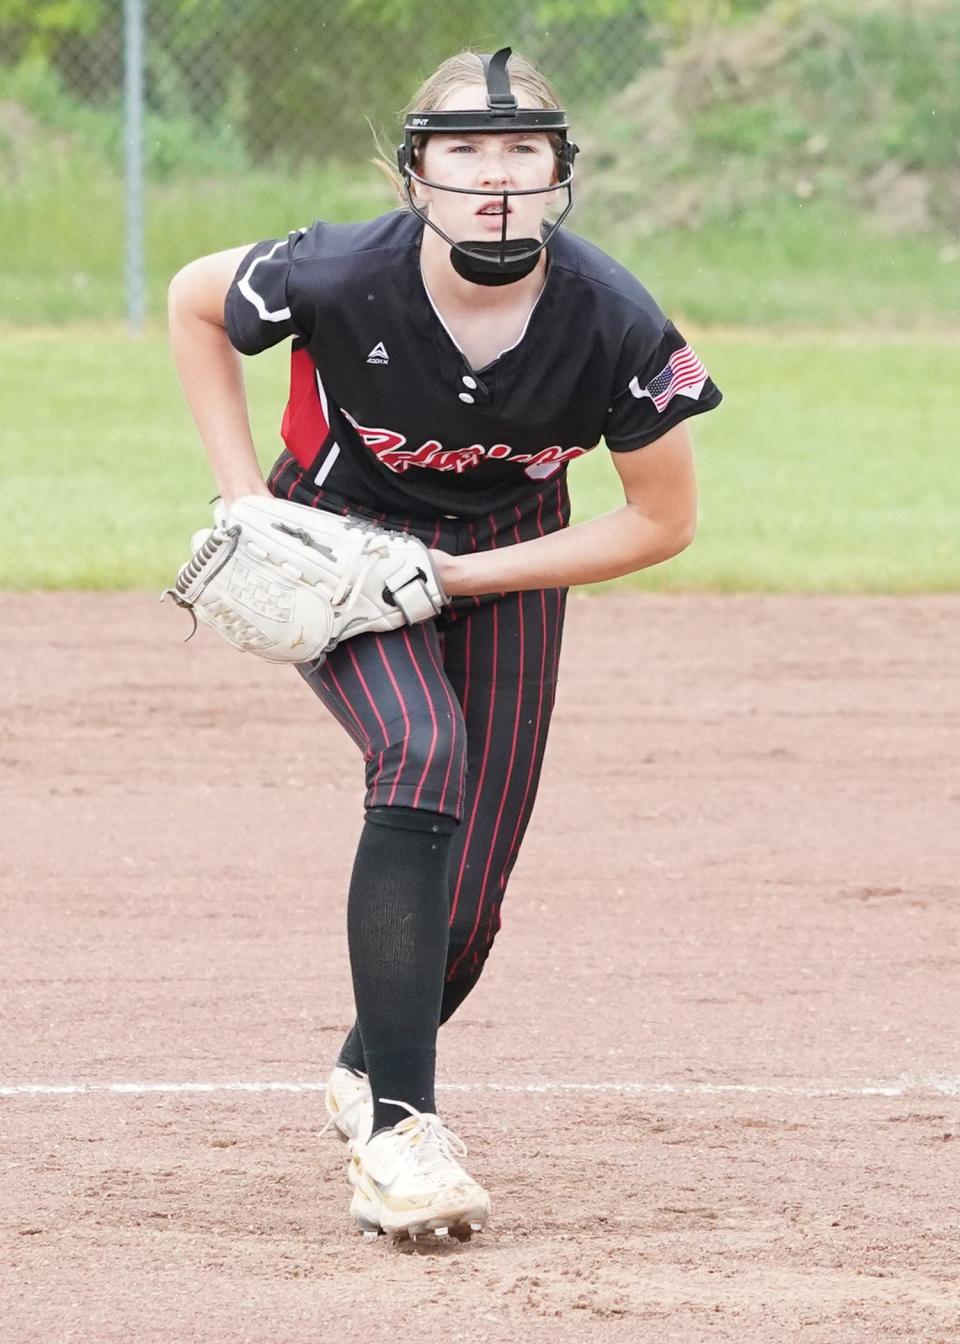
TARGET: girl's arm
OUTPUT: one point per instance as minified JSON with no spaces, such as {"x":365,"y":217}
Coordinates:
{"x":211,"y":373}
{"x":657,"y":521}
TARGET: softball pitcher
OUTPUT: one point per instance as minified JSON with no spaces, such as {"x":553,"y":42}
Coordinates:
{"x":448,"y":360}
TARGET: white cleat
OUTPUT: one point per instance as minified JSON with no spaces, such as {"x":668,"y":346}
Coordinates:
{"x":349,"y":1105}
{"x":407,"y":1180}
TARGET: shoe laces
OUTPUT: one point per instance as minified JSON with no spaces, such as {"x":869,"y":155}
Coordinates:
{"x":434,"y":1145}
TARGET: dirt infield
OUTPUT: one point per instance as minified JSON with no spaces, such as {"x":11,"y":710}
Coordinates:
{"x":711,"y":1076}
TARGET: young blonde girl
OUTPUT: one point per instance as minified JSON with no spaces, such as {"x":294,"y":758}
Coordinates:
{"x":448,"y":360}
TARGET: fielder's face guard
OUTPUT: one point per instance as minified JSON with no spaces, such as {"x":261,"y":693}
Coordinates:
{"x":489,"y":262}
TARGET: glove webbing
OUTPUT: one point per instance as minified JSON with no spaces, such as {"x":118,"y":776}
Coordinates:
{"x":198,"y":571}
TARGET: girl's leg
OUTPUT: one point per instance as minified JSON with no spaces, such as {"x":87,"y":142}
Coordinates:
{"x":392,"y":695}
{"x":500,"y":657}
{"x":502,"y":661}
{"x":397,"y":926}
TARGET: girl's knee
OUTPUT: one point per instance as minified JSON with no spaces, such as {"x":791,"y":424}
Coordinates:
{"x":420,"y":763}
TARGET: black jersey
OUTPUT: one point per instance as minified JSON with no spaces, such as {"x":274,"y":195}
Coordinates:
{"x":384,"y":407}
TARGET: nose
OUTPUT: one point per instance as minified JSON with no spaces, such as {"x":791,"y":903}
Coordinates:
{"x":494,"y":169}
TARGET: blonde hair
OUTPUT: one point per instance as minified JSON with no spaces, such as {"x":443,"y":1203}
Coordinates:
{"x":464,"y":68}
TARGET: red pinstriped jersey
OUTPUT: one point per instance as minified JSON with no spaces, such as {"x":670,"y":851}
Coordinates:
{"x":384,"y":407}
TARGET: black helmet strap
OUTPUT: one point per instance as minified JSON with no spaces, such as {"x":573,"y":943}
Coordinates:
{"x":500,"y":97}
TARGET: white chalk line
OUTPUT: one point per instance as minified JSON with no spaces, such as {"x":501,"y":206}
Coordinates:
{"x":903,"y":1087}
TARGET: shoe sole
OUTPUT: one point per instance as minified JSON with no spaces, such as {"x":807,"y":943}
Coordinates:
{"x":433,"y":1231}
{"x":460,"y":1222}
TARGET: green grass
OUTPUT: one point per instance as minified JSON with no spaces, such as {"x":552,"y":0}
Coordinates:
{"x":794,"y":265}
{"x":62,"y":230}
{"x":827,"y":469}
{"x":823,"y":471}
{"x":787,"y":265}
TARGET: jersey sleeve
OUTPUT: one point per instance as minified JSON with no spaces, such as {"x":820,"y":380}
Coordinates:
{"x":660,"y":381}
{"x":260,"y":307}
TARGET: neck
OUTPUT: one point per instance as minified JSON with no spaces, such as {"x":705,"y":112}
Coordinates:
{"x":449,"y":289}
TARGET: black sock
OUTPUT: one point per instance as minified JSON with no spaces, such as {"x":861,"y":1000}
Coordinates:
{"x":454,"y":992}
{"x":397,"y":924}
{"x":351,"y":1052}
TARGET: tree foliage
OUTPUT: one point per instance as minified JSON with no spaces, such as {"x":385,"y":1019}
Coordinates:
{"x":301,"y":78}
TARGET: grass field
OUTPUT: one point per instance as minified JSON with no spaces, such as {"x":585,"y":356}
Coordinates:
{"x":826,"y":469}
{"x":788,"y":264}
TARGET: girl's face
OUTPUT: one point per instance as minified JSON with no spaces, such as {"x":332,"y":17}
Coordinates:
{"x":489,"y":161}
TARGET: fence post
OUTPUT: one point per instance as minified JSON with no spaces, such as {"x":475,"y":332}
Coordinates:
{"x":133,"y":145}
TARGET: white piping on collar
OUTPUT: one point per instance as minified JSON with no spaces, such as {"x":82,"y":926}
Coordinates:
{"x":453,"y":338}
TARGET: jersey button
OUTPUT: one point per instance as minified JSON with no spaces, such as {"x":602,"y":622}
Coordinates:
{"x":469,"y":382}
{"x":465,"y":396}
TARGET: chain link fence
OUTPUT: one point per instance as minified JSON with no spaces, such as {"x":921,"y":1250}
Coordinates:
{"x":279,"y":89}
{"x":300,"y":78}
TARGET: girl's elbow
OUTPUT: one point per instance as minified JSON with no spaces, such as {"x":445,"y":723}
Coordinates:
{"x":198,"y":290}
{"x":668,"y":542}
{"x":178,"y":292}
{"x":684,"y":534}
{"x":183,"y":279}
{"x":677,"y":536}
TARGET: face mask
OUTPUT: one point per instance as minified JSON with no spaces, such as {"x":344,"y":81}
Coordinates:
{"x":486,"y":262}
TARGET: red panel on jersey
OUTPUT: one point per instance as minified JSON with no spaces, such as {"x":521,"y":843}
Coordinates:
{"x":304,"y":427}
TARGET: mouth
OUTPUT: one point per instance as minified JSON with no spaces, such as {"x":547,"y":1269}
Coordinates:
{"x":493,"y":209}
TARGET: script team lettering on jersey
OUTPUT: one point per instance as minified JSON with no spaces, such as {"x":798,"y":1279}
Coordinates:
{"x":387,"y":444}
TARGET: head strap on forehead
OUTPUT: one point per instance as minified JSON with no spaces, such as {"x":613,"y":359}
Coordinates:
{"x":502,"y":112}
{"x":499,"y":94}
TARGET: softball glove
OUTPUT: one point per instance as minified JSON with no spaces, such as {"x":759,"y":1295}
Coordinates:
{"x":288,"y":582}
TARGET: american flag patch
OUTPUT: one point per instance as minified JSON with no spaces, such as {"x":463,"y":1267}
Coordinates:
{"x":682,"y":372}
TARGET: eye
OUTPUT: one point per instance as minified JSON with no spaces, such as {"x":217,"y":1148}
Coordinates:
{"x":526,"y":149}
{"x":461,"y":149}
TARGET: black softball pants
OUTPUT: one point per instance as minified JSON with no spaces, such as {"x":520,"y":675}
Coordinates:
{"x":452,"y":717}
